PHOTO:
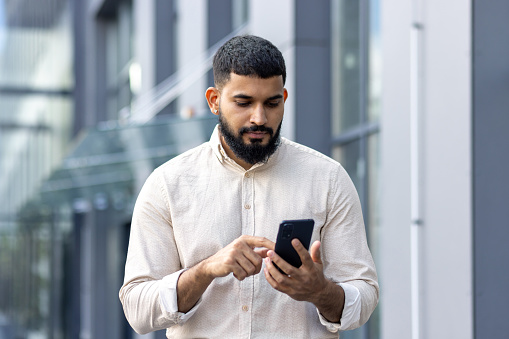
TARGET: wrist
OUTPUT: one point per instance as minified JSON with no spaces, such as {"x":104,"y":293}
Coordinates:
{"x":203,"y":272}
{"x":330,"y":301}
{"x":323,"y":293}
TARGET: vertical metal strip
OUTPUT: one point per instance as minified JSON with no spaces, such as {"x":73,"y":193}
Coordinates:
{"x":415,"y":175}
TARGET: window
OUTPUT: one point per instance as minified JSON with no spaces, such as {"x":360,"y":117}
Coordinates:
{"x":355,"y":111}
{"x":119,"y":66}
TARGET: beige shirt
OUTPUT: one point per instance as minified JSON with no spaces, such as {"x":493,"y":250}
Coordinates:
{"x":199,"y":202}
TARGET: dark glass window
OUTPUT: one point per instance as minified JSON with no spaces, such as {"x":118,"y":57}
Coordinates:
{"x":355,"y":111}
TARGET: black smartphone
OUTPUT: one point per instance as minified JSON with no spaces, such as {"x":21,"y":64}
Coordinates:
{"x":301,"y":229}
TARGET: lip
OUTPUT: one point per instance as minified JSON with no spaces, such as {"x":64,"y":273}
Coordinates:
{"x":256,"y":135}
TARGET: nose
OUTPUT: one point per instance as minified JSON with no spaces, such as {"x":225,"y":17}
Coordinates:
{"x":258,"y":116}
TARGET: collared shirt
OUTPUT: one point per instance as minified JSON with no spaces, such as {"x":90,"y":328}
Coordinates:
{"x":197,"y":203}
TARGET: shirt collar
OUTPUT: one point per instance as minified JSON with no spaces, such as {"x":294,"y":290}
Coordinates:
{"x":215,"y":144}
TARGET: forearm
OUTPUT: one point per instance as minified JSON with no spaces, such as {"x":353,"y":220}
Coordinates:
{"x":330,"y":301}
{"x":191,"y":285}
{"x":140,"y":301}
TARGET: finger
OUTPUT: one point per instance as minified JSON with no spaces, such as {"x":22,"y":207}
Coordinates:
{"x":262,"y":252}
{"x":244,"y":249}
{"x":255,"y":256}
{"x":244,"y":268}
{"x":250,"y":261}
{"x":281,"y":263}
{"x":239,"y":273}
{"x":276,"y":276}
{"x":253,"y":242}
{"x":268,"y":276}
{"x":314,"y":251}
{"x":302,"y":252}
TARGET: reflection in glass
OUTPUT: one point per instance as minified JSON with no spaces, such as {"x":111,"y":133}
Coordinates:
{"x":373,"y":221}
{"x":119,"y":53}
{"x":35,"y":45}
{"x":347,"y":63}
{"x":375,"y":62}
{"x":356,"y":92}
{"x":35,"y":125}
{"x":349,"y":157}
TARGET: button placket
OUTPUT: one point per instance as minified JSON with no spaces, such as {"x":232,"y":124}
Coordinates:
{"x":247,"y":203}
{"x":247,"y":285}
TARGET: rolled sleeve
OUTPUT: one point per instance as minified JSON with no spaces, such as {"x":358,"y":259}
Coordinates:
{"x":168,"y":299}
{"x":351,"y":311}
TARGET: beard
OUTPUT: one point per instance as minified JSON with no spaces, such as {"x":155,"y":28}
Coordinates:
{"x":253,"y":152}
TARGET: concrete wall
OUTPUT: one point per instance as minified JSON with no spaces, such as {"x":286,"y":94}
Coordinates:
{"x":439,"y":165}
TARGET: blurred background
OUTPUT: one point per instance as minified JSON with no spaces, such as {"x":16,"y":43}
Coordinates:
{"x":411,"y":96}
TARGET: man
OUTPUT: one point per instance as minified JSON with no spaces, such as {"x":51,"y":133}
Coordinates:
{"x":201,"y":254}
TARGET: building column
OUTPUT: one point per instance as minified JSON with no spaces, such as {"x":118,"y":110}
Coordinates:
{"x":490,"y":167}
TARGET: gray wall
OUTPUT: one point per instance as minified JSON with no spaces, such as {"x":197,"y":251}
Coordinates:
{"x":491,"y":167}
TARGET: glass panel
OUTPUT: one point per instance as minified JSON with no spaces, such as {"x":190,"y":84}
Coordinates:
{"x":36,"y":112}
{"x":373,"y":192}
{"x":375,"y":62}
{"x":349,"y":157}
{"x":240,"y":13}
{"x":35,"y":45}
{"x":118,"y":159}
{"x":347,"y":63}
{"x":31,"y":271}
{"x":373,"y":221}
{"x":119,"y":52}
{"x":33,"y":138}
{"x":356,"y":101}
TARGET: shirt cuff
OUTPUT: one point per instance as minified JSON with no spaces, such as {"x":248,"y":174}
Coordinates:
{"x":168,"y":299}
{"x":351,"y":311}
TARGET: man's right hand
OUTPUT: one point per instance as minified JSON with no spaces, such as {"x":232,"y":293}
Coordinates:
{"x":243,"y":257}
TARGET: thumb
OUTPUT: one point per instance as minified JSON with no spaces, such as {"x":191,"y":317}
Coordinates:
{"x":314,"y":251}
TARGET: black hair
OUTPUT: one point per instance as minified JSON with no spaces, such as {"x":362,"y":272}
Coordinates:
{"x":247,"y":55}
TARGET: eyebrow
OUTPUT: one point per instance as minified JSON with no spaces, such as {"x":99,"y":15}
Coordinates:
{"x":247,"y":97}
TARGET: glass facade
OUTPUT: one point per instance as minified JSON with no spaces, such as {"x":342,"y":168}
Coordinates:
{"x":120,"y":68}
{"x":36,"y":115}
{"x":356,"y":104}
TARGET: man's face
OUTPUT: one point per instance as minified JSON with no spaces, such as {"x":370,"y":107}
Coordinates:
{"x":250,"y":116}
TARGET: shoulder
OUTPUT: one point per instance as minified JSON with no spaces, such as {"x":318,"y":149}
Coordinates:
{"x":187,"y":162}
{"x":300,"y":152}
{"x":297,"y":158}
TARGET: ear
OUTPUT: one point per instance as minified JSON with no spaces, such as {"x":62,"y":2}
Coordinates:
{"x":212,"y":94}
{"x":285,"y":94}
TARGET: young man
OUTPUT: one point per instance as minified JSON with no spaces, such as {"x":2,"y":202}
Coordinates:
{"x":201,"y":253}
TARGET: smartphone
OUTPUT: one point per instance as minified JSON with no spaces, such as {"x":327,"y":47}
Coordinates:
{"x":301,"y":229}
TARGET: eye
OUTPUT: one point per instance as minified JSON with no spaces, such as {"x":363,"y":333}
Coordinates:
{"x":242,"y":103}
{"x":273,"y":104}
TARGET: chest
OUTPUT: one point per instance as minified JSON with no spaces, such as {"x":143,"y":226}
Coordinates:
{"x":210,"y":211}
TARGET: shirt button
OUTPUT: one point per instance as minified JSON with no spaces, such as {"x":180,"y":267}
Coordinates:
{"x":245,"y":308}
{"x":247,"y":175}
{"x":247,"y":206}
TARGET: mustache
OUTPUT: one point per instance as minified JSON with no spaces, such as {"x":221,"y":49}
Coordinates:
{"x":256,"y":128}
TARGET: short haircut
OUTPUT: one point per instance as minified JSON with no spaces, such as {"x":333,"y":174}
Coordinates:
{"x":247,"y":55}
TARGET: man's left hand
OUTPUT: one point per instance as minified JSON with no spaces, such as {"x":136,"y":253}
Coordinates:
{"x":306,"y":283}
